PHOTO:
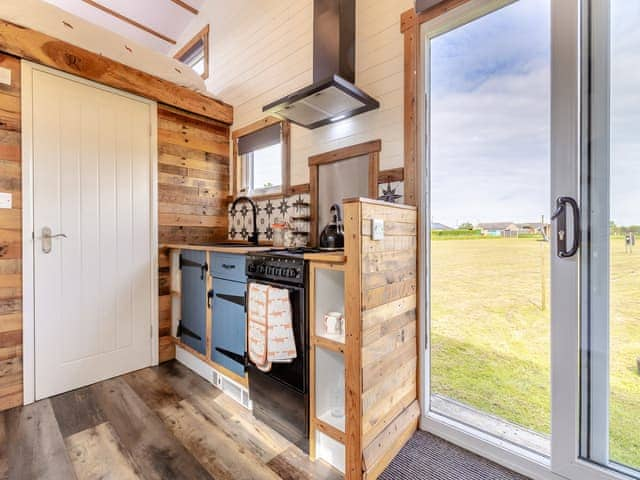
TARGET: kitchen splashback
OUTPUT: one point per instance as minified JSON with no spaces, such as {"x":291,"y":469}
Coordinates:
{"x":294,"y":210}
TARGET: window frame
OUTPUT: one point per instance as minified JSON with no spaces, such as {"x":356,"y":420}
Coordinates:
{"x":239,"y":174}
{"x":202,"y":35}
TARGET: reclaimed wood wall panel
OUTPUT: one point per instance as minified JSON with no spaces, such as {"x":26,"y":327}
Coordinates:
{"x":193,"y":178}
{"x":193,"y":189}
{"x":10,"y":240}
{"x":386,"y":384}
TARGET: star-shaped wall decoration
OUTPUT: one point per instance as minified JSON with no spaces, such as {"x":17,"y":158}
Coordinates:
{"x":389,"y":194}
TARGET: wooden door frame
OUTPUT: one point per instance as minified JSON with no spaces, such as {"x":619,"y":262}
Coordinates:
{"x":28,"y":277}
{"x":371,"y":148}
{"x":410,"y":23}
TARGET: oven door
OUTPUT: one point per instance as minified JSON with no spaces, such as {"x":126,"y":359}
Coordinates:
{"x":293,"y":374}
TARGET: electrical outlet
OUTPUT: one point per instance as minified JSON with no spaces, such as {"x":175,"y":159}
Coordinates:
{"x":6,"y":200}
{"x":5,"y":76}
{"x":377,"y":229}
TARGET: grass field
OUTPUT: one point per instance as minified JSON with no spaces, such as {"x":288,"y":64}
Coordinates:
{"x":490,"y":333}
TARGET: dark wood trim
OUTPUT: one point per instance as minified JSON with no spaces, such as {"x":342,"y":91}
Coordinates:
{"x":410,"y":22}
{"x":204,"y":35}
{"x":374,"y":167}
{"x":410,"y":112}
{"x":391,"y":175}
{"x":40,"y":48}
{"x":409,"y":18}
{"x":301,"y":188}
{"x":313,"y":200}
{"x":235,"y":169}
{"x":186,"y":6}
{"x":255,"y":126}
{"x":286,"y":156}
{"x":130,"y":21}
{"x":346,"y":153}
{"x":372,"y":149}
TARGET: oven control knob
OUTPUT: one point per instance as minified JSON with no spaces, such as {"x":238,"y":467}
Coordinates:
{"x":261,"y":268}
{"x":293,"y":272}
{"x":276,"y":270}
{"x":251,"y":268}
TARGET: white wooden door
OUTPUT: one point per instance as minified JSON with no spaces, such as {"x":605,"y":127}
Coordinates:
{"x":92,"y":176}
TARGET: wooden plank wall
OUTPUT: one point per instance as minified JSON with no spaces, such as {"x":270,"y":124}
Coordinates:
{"x":193,"y":189}
{"x":193,"y":177}
{"x":389,"y":347}
{"x":10,"y":240}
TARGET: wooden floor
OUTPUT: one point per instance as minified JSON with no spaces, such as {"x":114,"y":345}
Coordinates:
{"x":158,"y":423}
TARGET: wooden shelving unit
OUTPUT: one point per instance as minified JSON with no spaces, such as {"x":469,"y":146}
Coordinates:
{"x":374,"y":285}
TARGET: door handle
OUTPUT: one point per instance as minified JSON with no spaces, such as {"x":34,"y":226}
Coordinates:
{"x":560,"y":216}
{"x":46,"y":239}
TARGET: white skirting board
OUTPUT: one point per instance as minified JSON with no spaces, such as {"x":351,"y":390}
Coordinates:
{"x":213,"y":376}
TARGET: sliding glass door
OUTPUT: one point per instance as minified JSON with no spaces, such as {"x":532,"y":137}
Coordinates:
{"x":489,"y":209}
{"x":610,"y":381}
{"x":531,"y":184}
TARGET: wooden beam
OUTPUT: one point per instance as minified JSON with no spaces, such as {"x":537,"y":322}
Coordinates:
{"x":410,"y":18}
{"x":346,"y":153}
{"x":353,"y":347}
{"x":130,"y":21}
{"x":40,"y":48}
{"x":255,"y":126}
{"x":186,"y":6}
{"x":391,"y":175}
{"x":411,"y":50}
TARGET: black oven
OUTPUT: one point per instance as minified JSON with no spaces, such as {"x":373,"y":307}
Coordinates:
{"x":281,"y":396}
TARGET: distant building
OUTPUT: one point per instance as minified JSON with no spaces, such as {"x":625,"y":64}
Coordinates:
{"x":497,"y":229}
{"x":439,"y":227}
{"x":508,"y":229}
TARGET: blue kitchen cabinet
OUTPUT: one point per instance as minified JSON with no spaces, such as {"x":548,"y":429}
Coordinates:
{"x":228,"y":338}
{"x":193,"y":321}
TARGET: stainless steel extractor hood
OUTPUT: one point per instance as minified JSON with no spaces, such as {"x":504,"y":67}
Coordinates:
{"x":332,"y":96}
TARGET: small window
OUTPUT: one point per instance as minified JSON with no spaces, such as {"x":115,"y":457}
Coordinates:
{"x":195,"y":53}
{"x":262,"y":156}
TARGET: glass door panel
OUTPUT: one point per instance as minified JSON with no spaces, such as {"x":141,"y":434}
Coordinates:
{"x":488,"y":120}
{"x":611,"y":270}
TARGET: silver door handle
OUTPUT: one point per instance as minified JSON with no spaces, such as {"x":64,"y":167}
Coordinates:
{"x":46,"y":239}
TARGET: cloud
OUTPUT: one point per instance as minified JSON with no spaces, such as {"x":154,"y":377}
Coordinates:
{"x":490,"y":118}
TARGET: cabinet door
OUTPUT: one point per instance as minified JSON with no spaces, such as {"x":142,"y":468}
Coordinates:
{"x":194,"y":299}
{"x":229,"y":324}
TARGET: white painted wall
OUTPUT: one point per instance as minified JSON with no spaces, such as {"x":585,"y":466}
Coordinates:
{"x":261,"y":50}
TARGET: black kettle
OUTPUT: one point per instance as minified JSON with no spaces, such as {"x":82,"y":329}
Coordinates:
{"x":332,"y":237}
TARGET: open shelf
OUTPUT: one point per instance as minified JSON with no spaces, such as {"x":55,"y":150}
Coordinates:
{"x":329,"y":388}
{"x":329,"y":297}
{"x":330,"y":450}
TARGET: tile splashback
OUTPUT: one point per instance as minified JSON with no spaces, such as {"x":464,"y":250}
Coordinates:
{"x":294,"y":210}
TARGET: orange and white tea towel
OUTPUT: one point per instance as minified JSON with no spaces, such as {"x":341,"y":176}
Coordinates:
{"x":270,"y":329}
{"x":257,"y":323}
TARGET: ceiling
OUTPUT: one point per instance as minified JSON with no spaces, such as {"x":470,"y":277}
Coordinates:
{"x":155,"y":24}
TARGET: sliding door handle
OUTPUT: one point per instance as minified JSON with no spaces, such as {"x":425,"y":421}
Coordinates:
{"x":560,"y":216}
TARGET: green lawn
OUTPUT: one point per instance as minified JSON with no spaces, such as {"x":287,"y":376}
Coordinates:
{"x":490,"y":333}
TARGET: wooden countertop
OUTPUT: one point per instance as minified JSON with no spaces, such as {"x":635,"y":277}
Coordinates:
{"x":240,"y":249}
{"x":330,"y":257}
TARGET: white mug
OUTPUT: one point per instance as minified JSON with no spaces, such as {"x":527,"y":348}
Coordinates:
{"x":333,"y":323}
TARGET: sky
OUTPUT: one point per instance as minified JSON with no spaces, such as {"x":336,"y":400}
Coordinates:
{"x":490,"y":116}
